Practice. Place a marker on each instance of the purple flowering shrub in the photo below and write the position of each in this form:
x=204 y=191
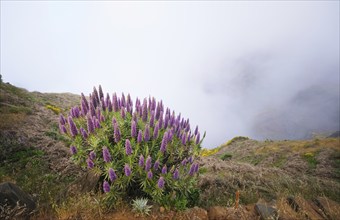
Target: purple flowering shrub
x=139 y=148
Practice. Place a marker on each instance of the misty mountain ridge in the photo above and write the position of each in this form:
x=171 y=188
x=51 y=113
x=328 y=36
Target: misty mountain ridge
x=312 y=111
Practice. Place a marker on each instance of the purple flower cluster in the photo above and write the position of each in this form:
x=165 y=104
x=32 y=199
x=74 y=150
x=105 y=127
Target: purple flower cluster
x=147 y=128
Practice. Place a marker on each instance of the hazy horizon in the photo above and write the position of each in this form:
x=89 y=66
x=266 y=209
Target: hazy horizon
x=257 y=69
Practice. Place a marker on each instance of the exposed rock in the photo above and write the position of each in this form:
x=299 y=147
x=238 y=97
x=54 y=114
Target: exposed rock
x=266 y=212
x=15 y=203
x=217 y=213
x=330 y=208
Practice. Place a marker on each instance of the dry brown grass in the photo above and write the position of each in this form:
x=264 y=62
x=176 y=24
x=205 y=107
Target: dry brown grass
x=10 y=120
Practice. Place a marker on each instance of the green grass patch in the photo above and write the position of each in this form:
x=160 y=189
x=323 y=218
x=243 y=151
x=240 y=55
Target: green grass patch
x=29 y=168
x=203 y=170
x=226 y=156
x=236 y=139
x=280 y=161
x=311 y=159
x=253 y=159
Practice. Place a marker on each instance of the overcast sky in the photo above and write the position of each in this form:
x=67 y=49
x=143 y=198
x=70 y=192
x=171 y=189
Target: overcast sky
x=260 y=69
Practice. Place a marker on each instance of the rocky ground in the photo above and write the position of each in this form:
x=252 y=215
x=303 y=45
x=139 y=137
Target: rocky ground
x=245 y=178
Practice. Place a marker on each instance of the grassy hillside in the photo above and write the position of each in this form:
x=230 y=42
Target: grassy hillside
x=35 y=156
x=272 y=169
x=32 y=153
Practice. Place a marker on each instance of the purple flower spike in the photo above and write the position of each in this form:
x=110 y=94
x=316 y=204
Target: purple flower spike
x=196 y=168
x=97 y=123
x=192 y=169
x=161 y=182
x=152 y=119
x=90 y=126
x=188 y=138
x=62 y=120
x=119 y=104
x=101 y=95
x=145 y=110
x=122 y=113
x=147 y=133
x=84 y=108
x=95 y=97
x=148 y=163
x=164 y=169
x=109 y=104
x=83 y=133
x=128 y=99
x=196 y=130
x=139 y=137
x=92 y=155
x=134 y=117
x=112 y=175
x=184 y=139
x=156 y=165
x=198 y=138
x=73 y=150
x=128 y=149
x=158 y=111
x=114 y=121
x=164 y=142
x=166 y=121
x=127 y=170
x=92 y=109
x=90 y=163
x=106 y=187
x=73 y=127
x=156 y=131
x=176 y=174
x=106 y=155
x=190 y=160
x=116 y=133
x=103 y=103
x=115 y=102
x=83 y=98
x=128 y=108
x=160 y=120
x=150 y=175
x=123 y=102
x=141 y=161
x=133 y=129
x=63 y=129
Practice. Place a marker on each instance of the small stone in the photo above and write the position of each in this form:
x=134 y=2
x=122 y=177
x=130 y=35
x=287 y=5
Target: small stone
x=161 y=209
x=266 y=212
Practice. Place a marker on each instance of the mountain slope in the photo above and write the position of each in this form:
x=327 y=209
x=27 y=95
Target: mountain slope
x=35 y=156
